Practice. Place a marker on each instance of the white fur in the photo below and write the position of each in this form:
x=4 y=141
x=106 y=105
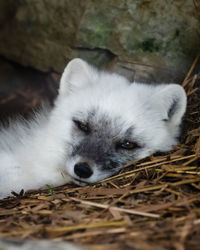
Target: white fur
x=34 y=153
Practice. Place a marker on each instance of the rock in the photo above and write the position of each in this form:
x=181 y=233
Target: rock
x=160 y=38
x=164 y=35
x=23 y=89
x=40 y=34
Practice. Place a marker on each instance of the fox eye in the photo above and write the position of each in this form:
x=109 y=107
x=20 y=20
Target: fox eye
x=128 y=145
x=82 y=126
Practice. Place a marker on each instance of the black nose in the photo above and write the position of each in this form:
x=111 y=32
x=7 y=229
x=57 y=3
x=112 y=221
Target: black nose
x=83 y=170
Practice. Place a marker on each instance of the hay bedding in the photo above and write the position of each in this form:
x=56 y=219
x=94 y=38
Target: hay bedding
x=153 y=204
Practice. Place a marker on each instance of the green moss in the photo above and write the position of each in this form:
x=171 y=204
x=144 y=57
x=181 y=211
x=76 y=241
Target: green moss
x=153 y=45
x=177 y=33
x=96 y=31
x=98 y=36
x=149 y=45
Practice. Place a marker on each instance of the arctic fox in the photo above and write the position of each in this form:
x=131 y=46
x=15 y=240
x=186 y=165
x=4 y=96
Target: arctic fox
x=99 y=122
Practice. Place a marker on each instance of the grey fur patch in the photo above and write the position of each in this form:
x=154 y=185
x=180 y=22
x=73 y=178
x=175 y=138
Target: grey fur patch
x=99 y=146
x=173 y=109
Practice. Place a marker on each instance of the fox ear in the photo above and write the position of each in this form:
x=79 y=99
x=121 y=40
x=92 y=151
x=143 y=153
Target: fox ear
x=171 y=101
x=77 y=74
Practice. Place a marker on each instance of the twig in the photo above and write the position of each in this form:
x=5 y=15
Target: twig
x=129 y=211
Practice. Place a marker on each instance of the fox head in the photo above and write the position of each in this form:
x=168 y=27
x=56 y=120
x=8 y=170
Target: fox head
x=104 y=121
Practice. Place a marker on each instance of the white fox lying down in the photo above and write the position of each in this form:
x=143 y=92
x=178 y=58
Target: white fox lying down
x=100 y=121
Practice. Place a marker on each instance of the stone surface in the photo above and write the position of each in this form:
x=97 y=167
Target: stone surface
x=23 y=89
x=162 y=34
x=40 y=33
x=155 y=37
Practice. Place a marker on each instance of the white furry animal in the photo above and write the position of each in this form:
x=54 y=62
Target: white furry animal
x=99 y=122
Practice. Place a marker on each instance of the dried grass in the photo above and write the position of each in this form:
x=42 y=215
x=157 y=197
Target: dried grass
x=153 y=204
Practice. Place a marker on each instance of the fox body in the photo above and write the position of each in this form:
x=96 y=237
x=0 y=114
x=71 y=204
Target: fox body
x=99 y=122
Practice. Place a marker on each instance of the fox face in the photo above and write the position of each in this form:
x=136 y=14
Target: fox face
x=105 y=121
x=101 y=144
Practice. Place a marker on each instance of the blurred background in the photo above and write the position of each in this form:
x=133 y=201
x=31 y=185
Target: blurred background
x=144 y=40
